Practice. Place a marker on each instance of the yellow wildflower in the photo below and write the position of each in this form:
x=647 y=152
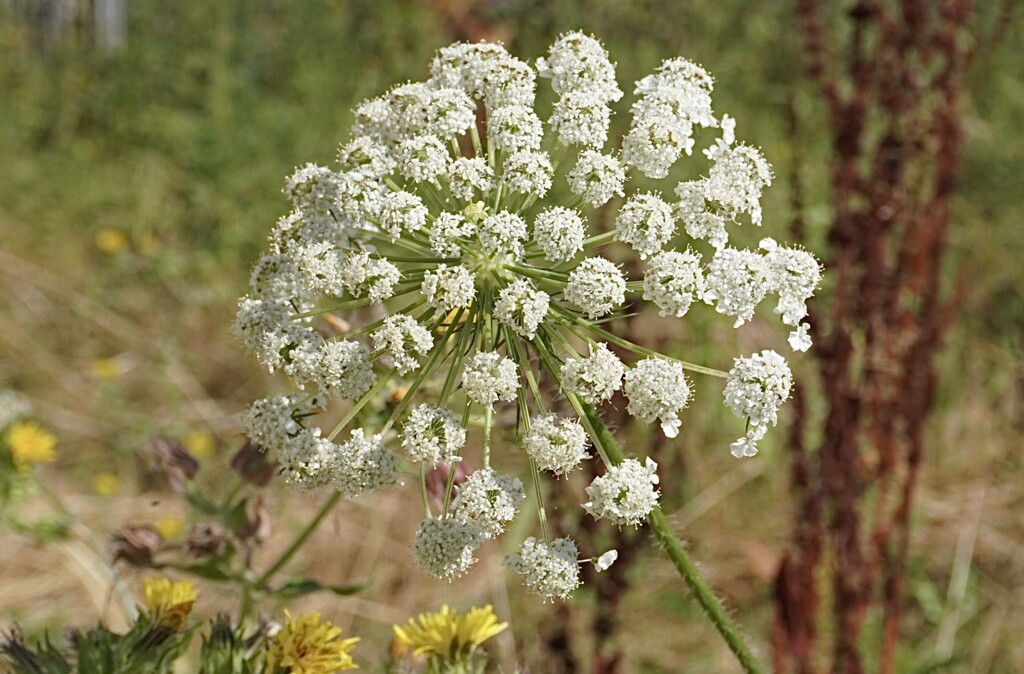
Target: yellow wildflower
x=168 y=604
x=111 y=241
x=448 y=634
x=29 y=444
x=105 y=368
x=200 y=444
x=477 y=626
x=170 y=527
x=105 y=484
x=305 y=646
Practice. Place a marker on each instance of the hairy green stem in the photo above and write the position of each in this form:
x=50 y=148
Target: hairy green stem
x=300 y=539
x=684 y=564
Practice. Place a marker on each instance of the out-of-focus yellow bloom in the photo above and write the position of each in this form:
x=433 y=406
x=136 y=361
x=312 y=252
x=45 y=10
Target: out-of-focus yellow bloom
x=105 y=368
x=105 y=484
x=30 y=443
x=304 y=645
x=170 y=527
x=168 y=604
x=200 y=444
x=448 y=634
x=111 y=241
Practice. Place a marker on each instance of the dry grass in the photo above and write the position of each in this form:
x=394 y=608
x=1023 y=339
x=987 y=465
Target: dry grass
x=180 y=370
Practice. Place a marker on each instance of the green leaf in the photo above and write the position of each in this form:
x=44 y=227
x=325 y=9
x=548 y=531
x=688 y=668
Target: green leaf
x=210 y=570
x=234 y=519
x=199 y=501
x=303 y=586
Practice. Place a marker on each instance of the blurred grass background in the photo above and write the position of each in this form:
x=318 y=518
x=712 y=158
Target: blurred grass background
x=138 y=183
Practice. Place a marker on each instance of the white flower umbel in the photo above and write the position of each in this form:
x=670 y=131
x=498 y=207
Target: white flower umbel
x=403 y=338
x=581 y=118
x=271 y=421
x=625 y=494
x=597 y=178
x=646 y=223
x=469 y=176
x=489 y=500
x=738 y=176
x=527 y=173
x=449 y=288
x=448 y=231
x=344 y=369
x=514 y=128
x=793 y=274
x=444 y=546
x=756 y=388
x=594 y=378
x=363 y=465
x=522 y=307
x=557 y=445
x=657 y=389
x=559 y=232
x=502 y=234
x=737 y=281
x=548 y=569
x=673 y=280
x=402 y=211
x=432 y=434
x=578 y=62
x=373 y=277
x=490 y=377
x=440 y=293
x=596 y=286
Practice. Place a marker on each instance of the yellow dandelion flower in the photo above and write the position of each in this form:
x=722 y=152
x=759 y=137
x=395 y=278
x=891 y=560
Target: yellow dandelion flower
x=477 y=626
x=169 y=604
x=430 y=633
x=30 y=443
x=105 y=484
x=200 y=444
x=170 y=527
x=304 y=645
x=448 y=634
x=111 y=241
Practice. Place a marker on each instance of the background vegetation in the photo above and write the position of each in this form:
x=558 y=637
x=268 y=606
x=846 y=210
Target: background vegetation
x=137 y=185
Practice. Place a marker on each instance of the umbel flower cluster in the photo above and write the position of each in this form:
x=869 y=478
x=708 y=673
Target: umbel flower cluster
x=430 y=280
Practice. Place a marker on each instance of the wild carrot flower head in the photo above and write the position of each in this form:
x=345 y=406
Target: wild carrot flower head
x=453 y=252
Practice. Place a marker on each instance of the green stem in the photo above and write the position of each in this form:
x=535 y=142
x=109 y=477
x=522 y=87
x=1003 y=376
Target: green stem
x=567 y=319
x=684 y=564
x=300 y=539
x=423 y=490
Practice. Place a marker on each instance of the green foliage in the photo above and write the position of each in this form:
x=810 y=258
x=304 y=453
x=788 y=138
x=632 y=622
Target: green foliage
x=147 y=647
